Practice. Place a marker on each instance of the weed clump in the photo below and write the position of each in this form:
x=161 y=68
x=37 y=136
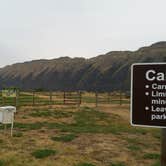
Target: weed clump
x=151 y=156
x=64 y=138
x=84 y=164
x=43 y=153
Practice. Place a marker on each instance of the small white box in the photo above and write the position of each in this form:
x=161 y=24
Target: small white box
x=7 y=115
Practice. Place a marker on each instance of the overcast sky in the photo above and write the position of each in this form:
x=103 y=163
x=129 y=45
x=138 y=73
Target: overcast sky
x=45 y=29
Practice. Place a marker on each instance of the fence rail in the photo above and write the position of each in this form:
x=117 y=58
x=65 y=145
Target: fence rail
x=65 y=98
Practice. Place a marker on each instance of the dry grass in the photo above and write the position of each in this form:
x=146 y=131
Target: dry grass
x=103 y=137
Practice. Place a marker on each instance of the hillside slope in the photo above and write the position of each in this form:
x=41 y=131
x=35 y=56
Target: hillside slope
x=103 y=73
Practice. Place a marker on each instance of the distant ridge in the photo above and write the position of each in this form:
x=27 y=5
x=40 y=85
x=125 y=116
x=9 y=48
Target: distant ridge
x=106 y=72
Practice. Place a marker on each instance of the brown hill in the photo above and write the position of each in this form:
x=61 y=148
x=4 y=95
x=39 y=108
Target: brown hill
x=103 y=73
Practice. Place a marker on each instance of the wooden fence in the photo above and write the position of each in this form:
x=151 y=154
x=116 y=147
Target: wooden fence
x=65 y=98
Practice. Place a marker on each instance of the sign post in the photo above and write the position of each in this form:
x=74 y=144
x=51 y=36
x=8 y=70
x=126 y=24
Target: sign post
x=148 y=98
x=163 y=148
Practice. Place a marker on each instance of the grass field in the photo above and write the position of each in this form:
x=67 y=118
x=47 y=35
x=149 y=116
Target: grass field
x=85 y=136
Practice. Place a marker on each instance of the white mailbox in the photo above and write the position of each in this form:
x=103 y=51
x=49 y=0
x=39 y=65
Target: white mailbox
x=7 y=115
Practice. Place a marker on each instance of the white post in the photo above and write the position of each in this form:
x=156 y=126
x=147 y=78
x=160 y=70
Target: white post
x=12 y=124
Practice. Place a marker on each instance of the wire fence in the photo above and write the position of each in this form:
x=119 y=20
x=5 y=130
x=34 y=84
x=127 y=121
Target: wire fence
x=35 y=98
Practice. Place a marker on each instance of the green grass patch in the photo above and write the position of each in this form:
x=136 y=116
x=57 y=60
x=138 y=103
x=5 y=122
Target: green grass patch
x=134 y=148
x=133 y=144
x=43 y=113
x=43 y=153
x=17 y=134
x=50 y=113
x=86 y=120
x=132 y=140
x=29 y=126
x=2 y=163
x=157 y=163
x=156 y=133
x=142 y=131
x=1 y=141
x=89 y=128
x=86 y=99
x=117 y=164
x=151 y=156
x=84 y=164
x=64 y=138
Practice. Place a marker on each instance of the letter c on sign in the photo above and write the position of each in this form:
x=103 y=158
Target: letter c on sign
x=149 y=75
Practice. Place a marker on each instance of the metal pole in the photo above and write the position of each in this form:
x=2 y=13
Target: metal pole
x=163 y=147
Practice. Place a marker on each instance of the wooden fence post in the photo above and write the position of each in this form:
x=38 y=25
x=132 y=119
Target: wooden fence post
x=50 y=98
x=120 y=98
x=80 y=97
x=109 y=97
x=17 y=98
x=15 y=101
x=64 y=98
x=33 y=97
x=96 y=94
x=3 y=100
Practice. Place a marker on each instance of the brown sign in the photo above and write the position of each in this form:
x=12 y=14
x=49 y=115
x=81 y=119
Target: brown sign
x=148 y=94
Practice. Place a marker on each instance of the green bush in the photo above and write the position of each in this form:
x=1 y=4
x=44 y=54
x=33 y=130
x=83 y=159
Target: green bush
x=151 y=156
x=157 y=163
x=2 y=163
x=64 y=138
x=117 y=164
x=42 y=153
x=134 y=147
x=17 y=134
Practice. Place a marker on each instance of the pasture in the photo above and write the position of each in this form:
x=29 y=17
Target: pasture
x=92 y=132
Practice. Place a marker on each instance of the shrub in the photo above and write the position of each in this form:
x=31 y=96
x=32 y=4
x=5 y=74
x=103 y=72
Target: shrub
x=84 y=164
x=118 y=164
x=151 y=156
x=18 y=134
x=64 y=138
x=42 y=153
